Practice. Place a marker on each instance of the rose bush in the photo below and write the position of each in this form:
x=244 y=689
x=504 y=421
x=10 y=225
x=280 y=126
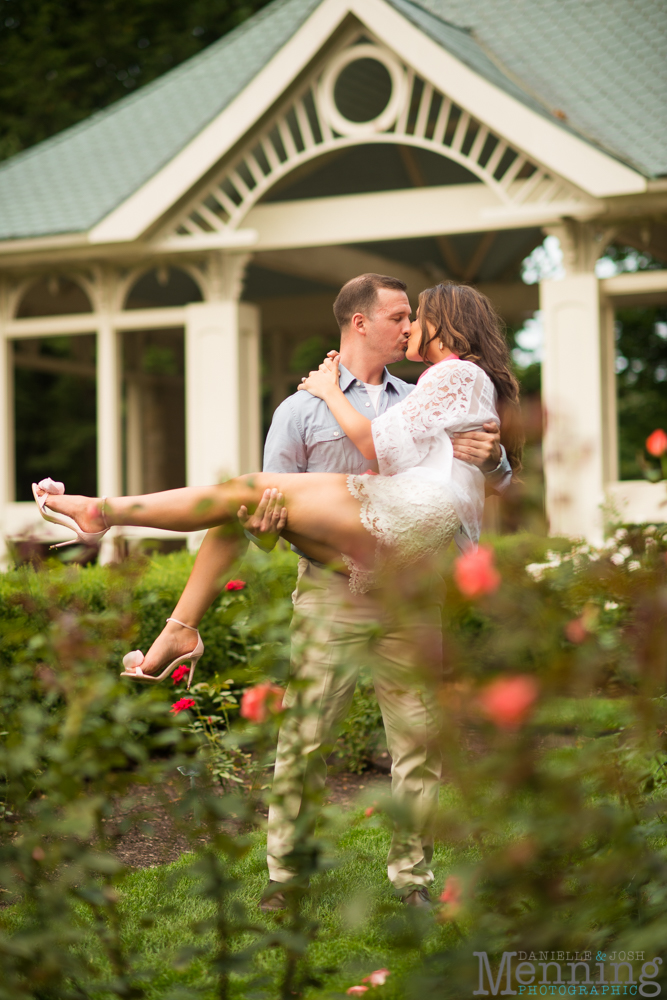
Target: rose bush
x=555 y=760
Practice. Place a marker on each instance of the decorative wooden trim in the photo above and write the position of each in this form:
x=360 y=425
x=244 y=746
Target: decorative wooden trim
x=309 y=125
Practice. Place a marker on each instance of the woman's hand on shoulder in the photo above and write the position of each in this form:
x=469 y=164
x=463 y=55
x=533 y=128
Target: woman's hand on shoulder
x=322 y=382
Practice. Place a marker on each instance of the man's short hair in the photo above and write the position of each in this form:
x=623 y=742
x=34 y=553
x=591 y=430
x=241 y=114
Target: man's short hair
x=360 y=295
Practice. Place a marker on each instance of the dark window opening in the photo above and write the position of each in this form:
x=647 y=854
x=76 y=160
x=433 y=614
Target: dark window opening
x=55 y=411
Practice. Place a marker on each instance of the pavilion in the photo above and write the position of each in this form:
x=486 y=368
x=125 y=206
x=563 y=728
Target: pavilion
x=189 y=239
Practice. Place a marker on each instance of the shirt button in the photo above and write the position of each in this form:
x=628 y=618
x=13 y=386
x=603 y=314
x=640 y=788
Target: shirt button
x=335 y=434
x=368 y=404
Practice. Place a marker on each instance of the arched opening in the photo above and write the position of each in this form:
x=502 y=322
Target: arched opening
x=154 y=409
x=53 y=296
x=369 y=167
x=154 y=385
x=162 y=287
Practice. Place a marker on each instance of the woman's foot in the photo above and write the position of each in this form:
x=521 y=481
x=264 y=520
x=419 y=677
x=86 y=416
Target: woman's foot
x=86 y=511
x=173 y=641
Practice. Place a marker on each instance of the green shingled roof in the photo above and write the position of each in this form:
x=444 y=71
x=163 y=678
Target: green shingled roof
x=601 y=63
x=69 y=182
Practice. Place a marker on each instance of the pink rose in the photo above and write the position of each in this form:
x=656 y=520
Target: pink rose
x=356 y=991
x=180 y=672
x=475 y=574
x=508 y=700
x=576 y=631
x=452 y=897
x=656 y=443
x=377 y=978
x=235 y=585
x=261 y=701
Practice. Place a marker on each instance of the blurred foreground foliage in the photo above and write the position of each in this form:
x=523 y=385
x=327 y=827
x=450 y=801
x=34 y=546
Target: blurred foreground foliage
x=558 y=819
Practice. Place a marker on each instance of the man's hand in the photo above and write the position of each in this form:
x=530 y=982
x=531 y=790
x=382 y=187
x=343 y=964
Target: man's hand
x=268 y=520
x=480 y=448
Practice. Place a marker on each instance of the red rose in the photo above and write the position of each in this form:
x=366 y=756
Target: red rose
x=475 y=574
x=508 y=700
x=180 y=672
x=261 y=701
x=656 y=443
x=182 y=704
x=235 y=585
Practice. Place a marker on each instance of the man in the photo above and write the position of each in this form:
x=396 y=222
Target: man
x=331 y=629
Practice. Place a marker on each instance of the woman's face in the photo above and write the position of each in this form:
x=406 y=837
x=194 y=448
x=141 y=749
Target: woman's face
x=412 y=352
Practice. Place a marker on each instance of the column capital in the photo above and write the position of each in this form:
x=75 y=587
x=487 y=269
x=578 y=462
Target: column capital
x=102 y=287
x=582 y=243
x=225 y=275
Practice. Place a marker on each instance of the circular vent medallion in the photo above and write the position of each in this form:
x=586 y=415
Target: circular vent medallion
x=362 y=90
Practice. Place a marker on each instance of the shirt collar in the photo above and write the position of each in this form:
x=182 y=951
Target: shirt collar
x=347 y=379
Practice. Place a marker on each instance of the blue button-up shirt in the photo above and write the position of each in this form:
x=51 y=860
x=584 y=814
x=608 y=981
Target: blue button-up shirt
x=305 y=436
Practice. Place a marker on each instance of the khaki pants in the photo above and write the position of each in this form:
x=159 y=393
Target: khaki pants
x=334 y=633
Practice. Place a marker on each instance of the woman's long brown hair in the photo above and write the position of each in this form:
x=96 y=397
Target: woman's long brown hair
x=467 y=323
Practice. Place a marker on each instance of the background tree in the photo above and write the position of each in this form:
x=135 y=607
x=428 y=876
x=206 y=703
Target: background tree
x=61 y=60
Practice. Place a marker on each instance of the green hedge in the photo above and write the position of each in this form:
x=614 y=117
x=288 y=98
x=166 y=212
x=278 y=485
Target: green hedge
x=244 y=632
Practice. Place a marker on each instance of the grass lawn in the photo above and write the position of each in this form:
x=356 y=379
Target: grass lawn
x=362 y=926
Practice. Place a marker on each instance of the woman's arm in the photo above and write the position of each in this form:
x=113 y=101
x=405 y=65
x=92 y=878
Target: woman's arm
x=324 y=384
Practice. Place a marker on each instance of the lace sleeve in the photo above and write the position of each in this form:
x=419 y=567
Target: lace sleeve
x=452 y=395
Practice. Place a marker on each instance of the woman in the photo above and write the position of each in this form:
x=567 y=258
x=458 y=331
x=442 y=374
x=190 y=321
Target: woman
x=413 y=508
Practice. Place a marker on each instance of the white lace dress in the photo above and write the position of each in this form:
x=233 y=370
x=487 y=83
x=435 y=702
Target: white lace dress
x=423 y=494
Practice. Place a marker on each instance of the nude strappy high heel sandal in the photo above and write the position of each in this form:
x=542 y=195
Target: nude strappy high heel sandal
x=136 y=658
x=82 y=537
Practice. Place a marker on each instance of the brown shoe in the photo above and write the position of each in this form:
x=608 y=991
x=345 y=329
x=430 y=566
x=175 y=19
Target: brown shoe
x=418 y=896
x=272 y=898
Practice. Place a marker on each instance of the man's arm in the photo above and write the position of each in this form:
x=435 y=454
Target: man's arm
x=483 y=449
x=285 y=448
x=284 y=451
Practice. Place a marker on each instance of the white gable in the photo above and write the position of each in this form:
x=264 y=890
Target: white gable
x=520 y=155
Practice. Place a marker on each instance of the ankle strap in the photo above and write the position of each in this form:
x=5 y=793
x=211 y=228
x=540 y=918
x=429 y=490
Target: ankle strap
x=192 y=629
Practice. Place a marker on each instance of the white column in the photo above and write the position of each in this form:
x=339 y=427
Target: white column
x=578 y=387
x=109 y=480
x=609 y=397
x=222 y=381
x=572 y=398
x=222 y=395
x=6 y=440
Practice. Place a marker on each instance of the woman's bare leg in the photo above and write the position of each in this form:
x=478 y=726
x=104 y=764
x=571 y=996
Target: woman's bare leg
x=319 y=509
x=322 y=515
x=217 y=552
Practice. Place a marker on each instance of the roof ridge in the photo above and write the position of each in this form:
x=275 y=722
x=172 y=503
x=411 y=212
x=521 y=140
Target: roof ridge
x=437 y=17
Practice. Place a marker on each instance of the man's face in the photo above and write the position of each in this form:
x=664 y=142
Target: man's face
x=388 y=328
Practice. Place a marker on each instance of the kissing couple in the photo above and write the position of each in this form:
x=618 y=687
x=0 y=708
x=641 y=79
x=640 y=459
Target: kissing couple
x=436 y=447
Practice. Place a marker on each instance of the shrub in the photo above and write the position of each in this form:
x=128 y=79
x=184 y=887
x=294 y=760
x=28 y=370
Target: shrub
x=555 y=717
